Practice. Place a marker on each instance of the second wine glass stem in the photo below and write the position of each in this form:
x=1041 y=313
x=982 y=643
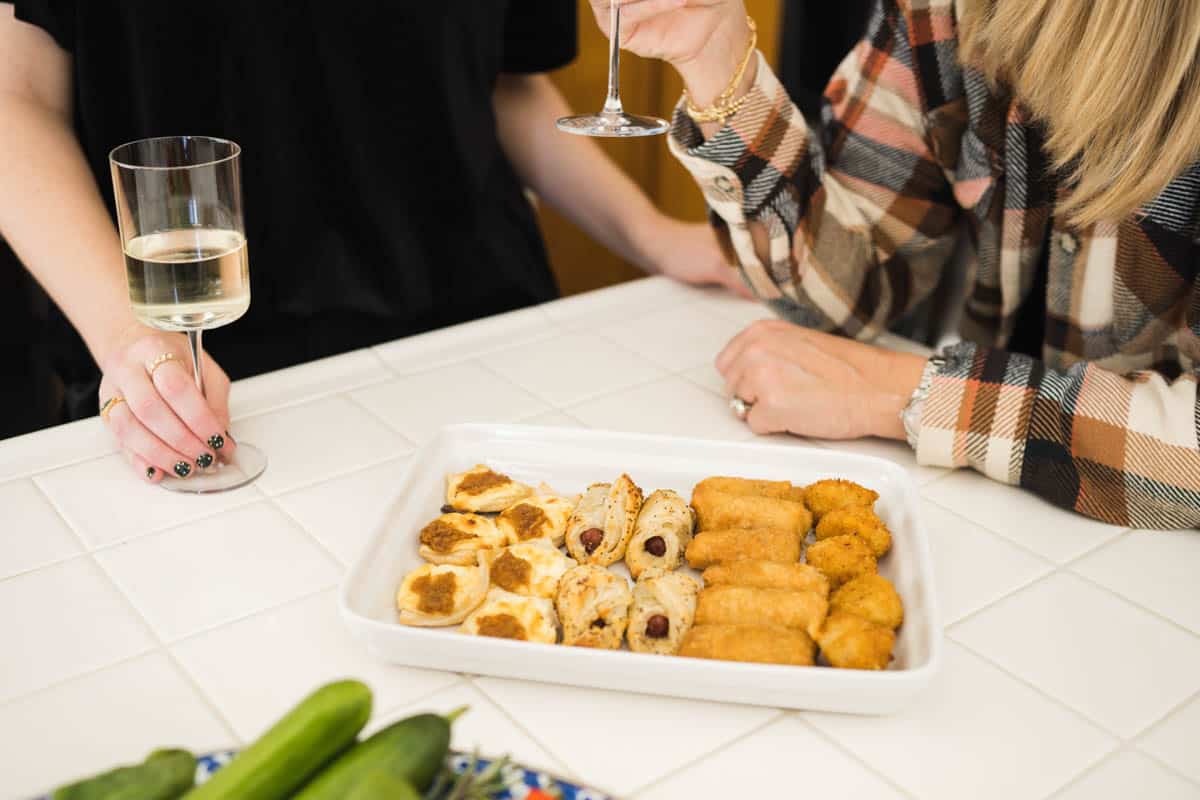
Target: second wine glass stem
x=193 y=337
x=612 y=104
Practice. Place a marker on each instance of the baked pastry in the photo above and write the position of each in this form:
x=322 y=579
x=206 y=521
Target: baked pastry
x=661 y=533
x=834 y=493
x=593 y=607
x=718 y=510
x=538 y=517
x=859 y=521
x=664 y=607
x=765 y=544
x=852 y=642
x=755 y=643
x=457 y=538
x=871 y=597
x=481 y=489
x=599 y=529
x=505 y=615
x=530 y=568
x=442 y=594
x=768 y=575
x=746 y=486
x=746 y=605
x=841 y=558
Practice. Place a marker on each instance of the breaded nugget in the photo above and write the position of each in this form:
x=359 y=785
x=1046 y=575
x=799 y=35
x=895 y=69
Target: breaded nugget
x=780 y=489
x=871 y=597
x=764 y=544
x=716 y=510
x=859 y=521
x=833 y=493
x=768 y=575
x=851 y=642
x=754 y=643
x=745 y=605
x=841 y=558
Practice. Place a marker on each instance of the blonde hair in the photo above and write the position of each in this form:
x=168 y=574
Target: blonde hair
x=1117 y=83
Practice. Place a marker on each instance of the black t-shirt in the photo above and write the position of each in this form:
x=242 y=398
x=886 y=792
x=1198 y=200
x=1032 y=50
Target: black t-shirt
x=378 y=201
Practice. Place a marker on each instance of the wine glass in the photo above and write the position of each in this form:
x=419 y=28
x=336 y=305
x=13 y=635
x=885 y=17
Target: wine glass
x=613 y=121
x=179 y=211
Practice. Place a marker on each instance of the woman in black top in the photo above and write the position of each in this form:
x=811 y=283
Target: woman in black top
x=385 y=151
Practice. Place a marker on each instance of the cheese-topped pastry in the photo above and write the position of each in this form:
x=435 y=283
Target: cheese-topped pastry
x=457 y=538
x=661 y=534
x=442 y=594
x=481 y=489
x=664 y=607
x=530 y=568
x=540 y=517
x=512 y=616
x=599 y=529
x=593 y=607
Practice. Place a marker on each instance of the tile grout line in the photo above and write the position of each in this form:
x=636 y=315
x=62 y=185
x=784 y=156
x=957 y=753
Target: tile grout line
x=1136 y=604
x=285 y=405
x=1125 y=747
x=338 y=475
x=337 y=562
x=1087 y=770
x=836 y=744
x=1169 y=768
x=562 y=766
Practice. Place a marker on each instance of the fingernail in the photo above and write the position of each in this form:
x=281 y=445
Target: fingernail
x=149 y=473
x=204 y=461
x=216 y=441
x=229 y=436
x=183 y=469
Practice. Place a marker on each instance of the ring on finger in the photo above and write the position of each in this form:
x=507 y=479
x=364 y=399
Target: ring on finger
x=740 y=407
x=158 y=361
x=108 y=405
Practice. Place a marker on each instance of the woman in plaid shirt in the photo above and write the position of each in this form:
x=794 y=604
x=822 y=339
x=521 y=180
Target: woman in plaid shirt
x=1028 y=170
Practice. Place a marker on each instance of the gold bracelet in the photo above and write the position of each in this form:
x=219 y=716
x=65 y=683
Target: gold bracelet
x=725 y=106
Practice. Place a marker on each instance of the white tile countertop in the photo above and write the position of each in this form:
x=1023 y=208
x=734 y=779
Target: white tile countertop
x=131 y=618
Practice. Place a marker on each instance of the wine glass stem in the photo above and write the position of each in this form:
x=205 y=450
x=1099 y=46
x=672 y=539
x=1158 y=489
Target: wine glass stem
x=612 y=104
x=194 y=345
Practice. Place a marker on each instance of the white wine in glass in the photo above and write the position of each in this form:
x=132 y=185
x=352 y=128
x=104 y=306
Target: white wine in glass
x=188 y=278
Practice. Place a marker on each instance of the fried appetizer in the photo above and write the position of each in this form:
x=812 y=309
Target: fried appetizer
x=661 y=534
x=505 y=615
x=457 y=538
x=871 y=597
x=746 y=605
x=764 y=544
x=834 y=493
x=664 y=607
x=755 y=643
x=782 y=490
x=481 y=489
x=530 y=568
x=859 y=521
x=540 y=517
x=601 y=525
x=593 y=607
x=841 y=558
x=719 y=510
x=851 y=642
x=768 y=575
x=442 y=594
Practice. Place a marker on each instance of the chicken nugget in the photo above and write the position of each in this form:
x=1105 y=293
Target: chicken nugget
x=841 y=558
x=851 y=642
x=859 y=521
x=833 y=493
x=871 y=597
x=715 y=510
x=716 y=547
x=768 y=575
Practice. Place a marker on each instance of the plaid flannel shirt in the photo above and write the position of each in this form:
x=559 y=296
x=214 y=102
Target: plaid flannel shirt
x=916 y=155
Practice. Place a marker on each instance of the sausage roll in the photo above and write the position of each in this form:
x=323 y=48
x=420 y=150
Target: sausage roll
x=859 y=521
x=481 y=489
x=664 y=606
x=716 y=510
x=593 y=607
x=442 y=594
x=834 y=493
x=851 y=642
x=457 y=538
x=764 y=544
x=661 y=534
x=512 y=616
x=841 y=558
x=540 y=517
x=745 y=605
x=768 y=575
x=871 y=597
x=599 y=530
x=530 y=568
x=756 y=643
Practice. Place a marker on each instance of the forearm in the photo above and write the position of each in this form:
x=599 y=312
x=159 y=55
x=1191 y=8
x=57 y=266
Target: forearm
x=572 y=173
x=52 y=215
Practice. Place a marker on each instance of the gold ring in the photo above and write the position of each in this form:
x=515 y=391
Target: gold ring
x=109 y=404
x=158 y=361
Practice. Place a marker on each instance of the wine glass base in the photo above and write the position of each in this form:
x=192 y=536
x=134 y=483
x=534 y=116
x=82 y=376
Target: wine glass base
x=617 y=125
x=248 y=463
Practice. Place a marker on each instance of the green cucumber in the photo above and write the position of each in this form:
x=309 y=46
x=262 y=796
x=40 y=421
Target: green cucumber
x=164 y=775
x=412 y=749
x=379 y=784
x=323 y=725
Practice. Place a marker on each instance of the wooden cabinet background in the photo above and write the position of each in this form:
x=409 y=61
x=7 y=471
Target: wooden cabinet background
x=648 y=87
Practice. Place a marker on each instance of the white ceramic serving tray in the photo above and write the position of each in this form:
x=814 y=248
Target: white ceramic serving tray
x=570 y=459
